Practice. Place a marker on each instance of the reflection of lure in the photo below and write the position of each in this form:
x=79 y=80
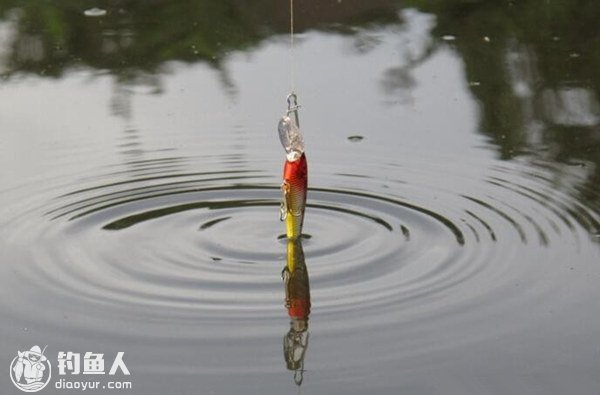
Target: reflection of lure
x=297 y=302
x=297 y=296
x=295 y=171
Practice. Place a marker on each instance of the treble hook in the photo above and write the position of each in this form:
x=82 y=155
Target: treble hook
x=293 y=107
x=283 y=209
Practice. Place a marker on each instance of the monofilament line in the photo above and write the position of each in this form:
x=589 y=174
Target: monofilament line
x=292 y=69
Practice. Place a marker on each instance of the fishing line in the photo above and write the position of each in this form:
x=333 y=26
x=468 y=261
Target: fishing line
x=292 y=60
x=295 y=170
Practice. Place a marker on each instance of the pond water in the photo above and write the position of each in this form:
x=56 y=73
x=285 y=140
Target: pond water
x=452 y=232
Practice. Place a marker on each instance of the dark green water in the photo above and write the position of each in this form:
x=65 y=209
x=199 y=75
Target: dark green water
x=453 y=221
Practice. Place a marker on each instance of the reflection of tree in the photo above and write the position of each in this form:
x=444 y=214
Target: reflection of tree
x=133 y=36
x=136 y=37
x=580 y=147
x=418 y=47
x=559 y=40
x=533 y=66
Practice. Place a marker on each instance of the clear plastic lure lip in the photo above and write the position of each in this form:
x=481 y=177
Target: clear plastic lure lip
x=291 y=138
x=289 y=131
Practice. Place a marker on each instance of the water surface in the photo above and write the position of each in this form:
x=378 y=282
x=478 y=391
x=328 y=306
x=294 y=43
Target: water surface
x=453 y=219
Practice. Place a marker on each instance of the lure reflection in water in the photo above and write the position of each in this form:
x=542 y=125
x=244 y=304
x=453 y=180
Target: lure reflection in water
x=295 y=171
x=297 y=302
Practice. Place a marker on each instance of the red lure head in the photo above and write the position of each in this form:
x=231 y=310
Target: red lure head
x=297 y=171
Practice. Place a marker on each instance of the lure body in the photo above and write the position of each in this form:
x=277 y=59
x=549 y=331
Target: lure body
x=294 y=186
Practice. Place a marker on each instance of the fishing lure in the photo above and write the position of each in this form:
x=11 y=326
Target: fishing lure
x=297 y=302
x=295 y=170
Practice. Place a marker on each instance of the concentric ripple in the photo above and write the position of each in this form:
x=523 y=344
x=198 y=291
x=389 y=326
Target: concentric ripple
x=219 y=238
x=200 y=226
x=204 y=250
